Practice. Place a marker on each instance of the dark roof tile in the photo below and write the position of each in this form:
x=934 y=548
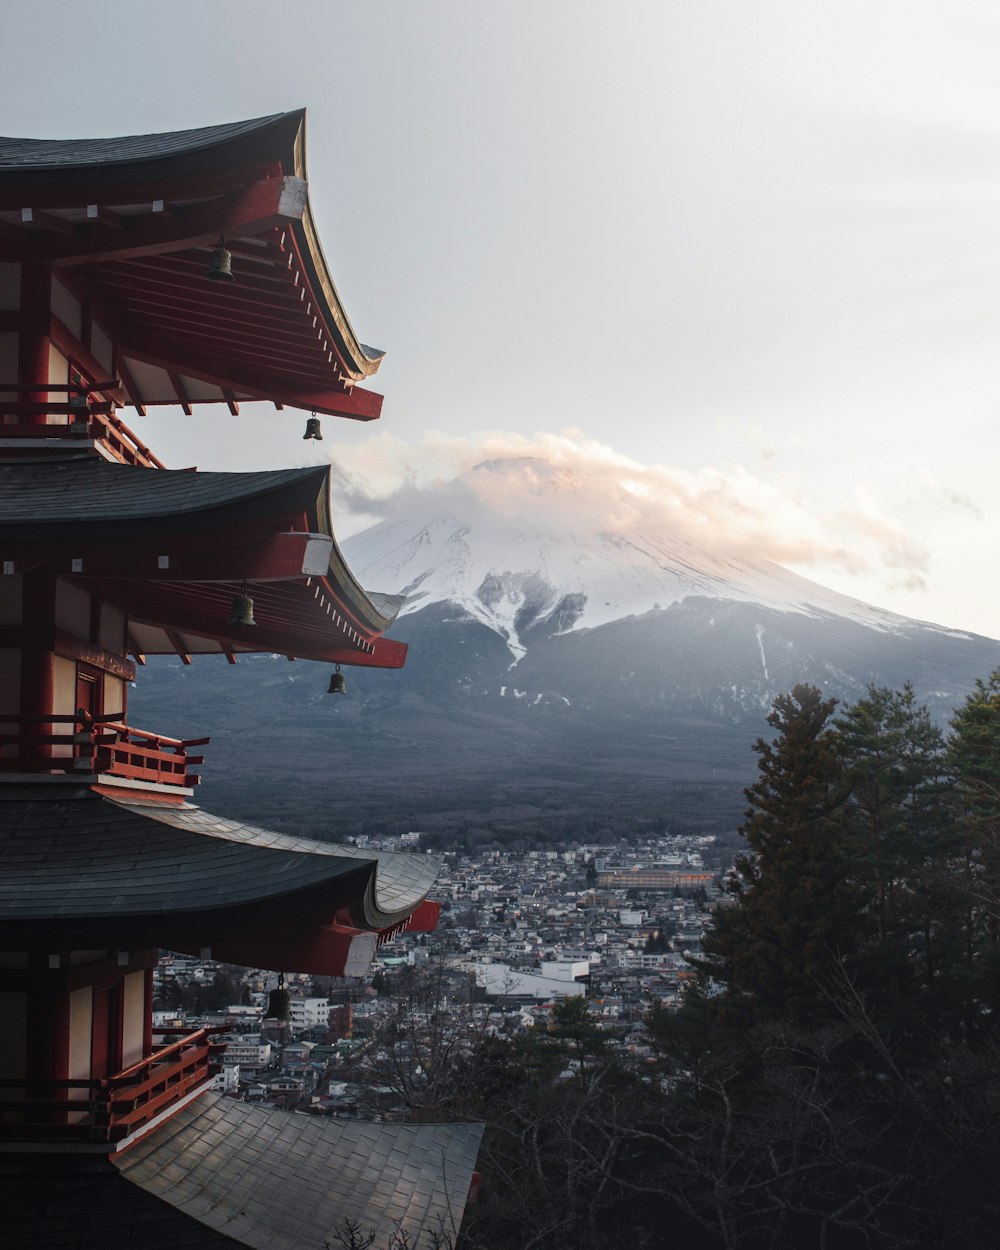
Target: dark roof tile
x=59 y=154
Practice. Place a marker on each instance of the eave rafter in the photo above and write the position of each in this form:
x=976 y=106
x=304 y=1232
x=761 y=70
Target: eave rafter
x=61 y=242
x=129 y=229
x=187 y=594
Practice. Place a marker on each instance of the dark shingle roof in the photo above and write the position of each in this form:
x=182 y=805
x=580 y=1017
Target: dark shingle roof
x=400 y=882
x=60 y=154
x=92 y=491
x=90 y=856
x=279 y=1181
x=82 y=1202
x=87 y=856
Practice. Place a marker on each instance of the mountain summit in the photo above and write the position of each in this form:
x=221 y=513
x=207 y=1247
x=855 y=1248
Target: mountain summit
x=578 y=659
x=531 y=549
x=536 y=552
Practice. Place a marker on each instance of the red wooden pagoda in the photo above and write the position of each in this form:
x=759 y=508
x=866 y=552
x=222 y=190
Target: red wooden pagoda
x=180 y=269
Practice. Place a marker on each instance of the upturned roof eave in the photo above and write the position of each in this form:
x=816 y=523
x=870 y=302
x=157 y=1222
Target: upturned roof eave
x=44 y=173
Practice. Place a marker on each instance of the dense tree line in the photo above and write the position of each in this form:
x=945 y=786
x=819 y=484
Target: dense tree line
x=832 y=1080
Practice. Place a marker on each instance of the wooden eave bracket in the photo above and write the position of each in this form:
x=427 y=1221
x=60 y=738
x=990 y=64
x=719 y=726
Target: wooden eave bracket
x=258 y=208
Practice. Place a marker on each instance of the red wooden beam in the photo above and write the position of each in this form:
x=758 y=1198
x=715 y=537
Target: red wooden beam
x=187 y=272
x=191 y=302
x=256 y=209
x=134 y=394
x=107 y=216
x=81 y=356
x=174 y=639
x=208 y=620
x=326 y=950
x=39 y=219
x=357 y=404
x=180 y=392
x=281 y=558
x=295 y=343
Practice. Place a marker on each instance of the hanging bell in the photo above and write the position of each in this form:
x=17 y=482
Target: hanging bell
x=279 y=1002
x=242 y=610
x=220 y=265
x=313 y=429
x=337 y=683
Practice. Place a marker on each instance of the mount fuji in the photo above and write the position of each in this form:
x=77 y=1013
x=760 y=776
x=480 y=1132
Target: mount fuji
x=575 y=661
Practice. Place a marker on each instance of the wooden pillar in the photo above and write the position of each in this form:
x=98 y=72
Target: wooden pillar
x=47 y=1051
x=37 y=664
x=33 y=331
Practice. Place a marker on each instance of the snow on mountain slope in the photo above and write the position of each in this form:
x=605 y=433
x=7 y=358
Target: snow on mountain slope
x=563 y=559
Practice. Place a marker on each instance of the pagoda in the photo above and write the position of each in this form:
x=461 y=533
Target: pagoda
x=183 y=270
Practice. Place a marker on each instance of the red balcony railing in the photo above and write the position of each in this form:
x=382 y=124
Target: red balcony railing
x=108 y=1109
x=79 y=414
x=98 y=746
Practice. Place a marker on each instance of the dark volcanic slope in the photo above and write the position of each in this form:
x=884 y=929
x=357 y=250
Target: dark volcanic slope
x=646 y=717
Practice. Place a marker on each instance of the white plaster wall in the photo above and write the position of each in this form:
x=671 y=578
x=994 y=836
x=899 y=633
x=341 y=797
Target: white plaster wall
x=81 y=1026
x=66 y=308
x=114 y=696
x=73 y=609
x=133 y=1017
x=100 y=346
x=112 y=632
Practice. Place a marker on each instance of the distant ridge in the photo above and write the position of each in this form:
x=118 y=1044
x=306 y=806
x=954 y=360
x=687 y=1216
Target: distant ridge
x=561 y=670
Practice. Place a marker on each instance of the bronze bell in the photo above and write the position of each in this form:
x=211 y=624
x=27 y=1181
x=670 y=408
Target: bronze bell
x=337 y=683
x=313 y=429
x=279 y=1002
x=242 y=610
x=220 y=265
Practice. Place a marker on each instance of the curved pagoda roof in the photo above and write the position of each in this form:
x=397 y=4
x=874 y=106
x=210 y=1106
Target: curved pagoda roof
x=221 y=1174
x=173 y=548
x=128 y=226
x=111 y=873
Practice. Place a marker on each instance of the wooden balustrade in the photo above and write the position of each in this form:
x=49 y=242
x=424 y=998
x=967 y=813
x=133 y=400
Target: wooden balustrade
x=76 y=414
x=108 y=1109
x=99 y=746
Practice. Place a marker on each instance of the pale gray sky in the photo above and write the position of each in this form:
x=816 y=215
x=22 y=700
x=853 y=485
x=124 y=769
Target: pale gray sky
x=753 y=244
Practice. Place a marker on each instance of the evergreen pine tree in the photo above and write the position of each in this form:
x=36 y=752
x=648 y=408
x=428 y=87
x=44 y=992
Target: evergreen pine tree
x=897 y=837
x=974 y=754
x=793 y=921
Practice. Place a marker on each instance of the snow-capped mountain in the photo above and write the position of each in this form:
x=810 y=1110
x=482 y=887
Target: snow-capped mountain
x=573 y=663
x=569 y=562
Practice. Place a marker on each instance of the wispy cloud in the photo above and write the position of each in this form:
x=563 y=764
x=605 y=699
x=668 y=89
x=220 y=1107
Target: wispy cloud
x=569 y=479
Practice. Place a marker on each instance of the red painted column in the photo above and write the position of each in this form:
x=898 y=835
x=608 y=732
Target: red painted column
x=34 y=327
x=37 y=664
x=48 y=1028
